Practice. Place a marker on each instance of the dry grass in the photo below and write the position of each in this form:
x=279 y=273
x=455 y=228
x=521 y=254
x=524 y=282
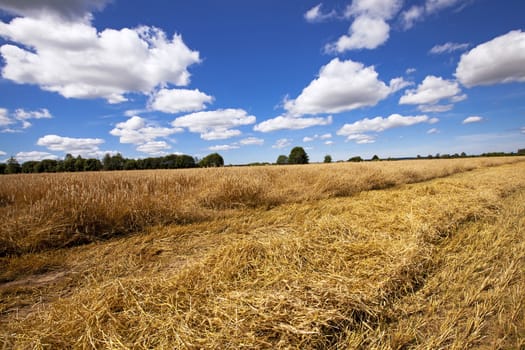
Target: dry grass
x=437 y=264
x=46 y=211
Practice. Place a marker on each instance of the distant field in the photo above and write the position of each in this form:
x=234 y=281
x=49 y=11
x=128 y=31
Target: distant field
x=386 y=255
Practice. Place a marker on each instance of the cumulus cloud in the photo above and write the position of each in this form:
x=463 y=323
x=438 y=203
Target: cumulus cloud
x=341 y=86
x=4 y=117
x=369 y=28
x=435 y=108
x=472 y=119
x=317 y=137
x=215 y=125
x=34 y=155
x=179 y=100
x=315 y=14
x=282 y=143
x=291 y=123
x=2 y=153
x=86 y=147
x=500 y=60
x=139 y=131
x=448 y=47
x=20 y=119
x=358 y=130
x=75 y=60
x=431 y=91
x=155 y=148
x=251 y=141
x=64 y=8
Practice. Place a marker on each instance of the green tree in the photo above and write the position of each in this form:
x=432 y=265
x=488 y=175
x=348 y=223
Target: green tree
x=212 y=160
x=92 y=164
x=12 y=166
x=282 y=159
x=3 y=166
x=375 y=158
x=30 y=166
x=69 y=162
x=80 y=163
x=298 y=156
x=130 y=164
x=328 y=158
x=355 y=159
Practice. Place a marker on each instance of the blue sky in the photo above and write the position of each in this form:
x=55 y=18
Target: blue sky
x=252 y=79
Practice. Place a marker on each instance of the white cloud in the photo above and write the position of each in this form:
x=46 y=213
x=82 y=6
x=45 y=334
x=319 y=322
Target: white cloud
x=410 y=70
x=65 y=8
x=2 y=153
x=223 y=147
x=357 y=130
x=86 y=147
x=431 y=91
x=433 y=6
x=435 y=108
x=364 y=33
x=523 y=130
x=4 y=117
x=75 y=60
x=472 y=119
x=316 y=137
x=292 y=123
x=500 y=60
x=215 y=125
x=179 y=100
x=34 y=155
x=418 y=13
x=433 y=131
x=329 y=142
x=251 y=141
x=411 y=16
x=369 y=29
x=139 y=131
x=282 y=143
x=21 y=118
x=155 y=148
x=340 y=86
x=361 y=139
x=315 y=14
x=448 y=47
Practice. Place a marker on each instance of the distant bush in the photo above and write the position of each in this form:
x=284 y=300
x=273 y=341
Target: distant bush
x=355 y=159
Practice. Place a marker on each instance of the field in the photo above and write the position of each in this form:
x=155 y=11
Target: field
x=426 y=254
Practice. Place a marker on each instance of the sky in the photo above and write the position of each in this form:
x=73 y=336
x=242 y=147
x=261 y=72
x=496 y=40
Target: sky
x=253 y=79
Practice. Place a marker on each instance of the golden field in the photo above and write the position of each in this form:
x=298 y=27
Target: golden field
x=423 y=254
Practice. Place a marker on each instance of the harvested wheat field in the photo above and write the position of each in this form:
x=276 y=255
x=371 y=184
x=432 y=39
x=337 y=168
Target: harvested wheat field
x=384 y=255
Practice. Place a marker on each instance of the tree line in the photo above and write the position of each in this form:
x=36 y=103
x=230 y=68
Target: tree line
x=180 y=161
x=109 y=163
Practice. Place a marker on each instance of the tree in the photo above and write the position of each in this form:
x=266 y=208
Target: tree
x=355 y=159
x=328 y=158
x=375 y=157
x=92 y=164
x=80 y=163
x=69 y=162
x=2 y=168
x=212 y=160
x=282 y=159
x=12 y=167
x=298 y=156
x=30 y=166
